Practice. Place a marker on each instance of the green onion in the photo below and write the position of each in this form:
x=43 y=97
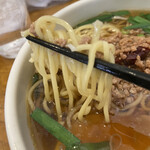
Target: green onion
x=147 y=30
x=139 y=19
x=131 y=20
x=139 y=22
x=105 y=17
x=121 y=13
x=35 y=78
x=92 y=146
x=136 y=26
x=53 y=127
x=63 y=135
x=146 y=16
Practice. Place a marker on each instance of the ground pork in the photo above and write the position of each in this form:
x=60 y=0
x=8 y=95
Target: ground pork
x=85 y=40
x=32 y=29
x=124 y=92
x=132 y=51
x=61 y=42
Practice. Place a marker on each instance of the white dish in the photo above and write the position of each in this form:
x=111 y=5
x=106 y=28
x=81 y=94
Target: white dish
x=15 y=109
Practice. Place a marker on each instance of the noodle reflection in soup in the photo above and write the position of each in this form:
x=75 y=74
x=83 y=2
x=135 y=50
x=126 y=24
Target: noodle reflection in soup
x=94 y=105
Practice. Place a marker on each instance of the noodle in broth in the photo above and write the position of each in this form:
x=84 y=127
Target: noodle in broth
x=92 y=104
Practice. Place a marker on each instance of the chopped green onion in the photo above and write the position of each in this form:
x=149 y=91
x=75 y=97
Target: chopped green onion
x=136 y=26
x=105 y=17
x=131 y=20
x=139 y=19
x=121 y=13
x=63 y=135
x=147 y=30
x=92 y=146
x=35 y=78
x=96 y=146
x=139 y=22
x=146 y=16
x=56 y=129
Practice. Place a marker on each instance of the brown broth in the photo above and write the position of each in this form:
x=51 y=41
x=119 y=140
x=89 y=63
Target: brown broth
x=41 y=138
x=94 y=129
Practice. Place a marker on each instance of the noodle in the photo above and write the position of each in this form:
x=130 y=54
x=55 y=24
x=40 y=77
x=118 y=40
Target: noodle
x=143 y=104
x=30 y=94
x=71 y=113
x=46 y=108
x=126 y=113
x=136 y=102
x=80 y=83
x=130 y=108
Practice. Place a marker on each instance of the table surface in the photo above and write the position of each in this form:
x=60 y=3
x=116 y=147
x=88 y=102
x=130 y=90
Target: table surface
x=6 y=64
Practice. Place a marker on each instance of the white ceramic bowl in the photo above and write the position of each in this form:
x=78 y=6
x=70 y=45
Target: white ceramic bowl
x=21 y=72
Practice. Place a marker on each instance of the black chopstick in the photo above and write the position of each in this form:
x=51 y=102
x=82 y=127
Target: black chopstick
x=130 y=75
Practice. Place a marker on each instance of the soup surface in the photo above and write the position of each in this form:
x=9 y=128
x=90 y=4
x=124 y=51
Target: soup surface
x=125 y=133
x=129 y=126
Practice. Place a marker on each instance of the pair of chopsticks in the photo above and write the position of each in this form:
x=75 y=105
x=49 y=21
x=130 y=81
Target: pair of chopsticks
x=130 y=75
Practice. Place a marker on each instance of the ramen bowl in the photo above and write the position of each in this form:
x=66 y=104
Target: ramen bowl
x=18 y=132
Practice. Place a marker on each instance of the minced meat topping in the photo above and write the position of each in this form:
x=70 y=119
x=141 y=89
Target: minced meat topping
x=131 y=51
